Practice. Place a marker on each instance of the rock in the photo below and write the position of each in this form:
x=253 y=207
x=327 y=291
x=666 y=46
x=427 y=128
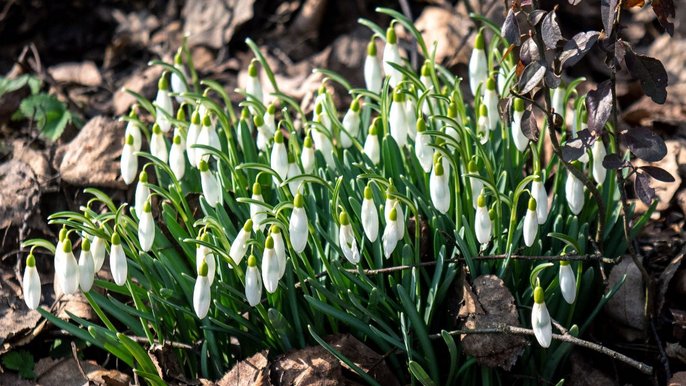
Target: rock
x=583 y=373
x=450 y=30
x=626 y=307
x=309 y=366
x=678 y=379
x=84 y=73
x=143 y=82
x=253 y=371
x=19 y=192
x=92 y=158
x=347 y=55
x=36 y=159
x=212 y=23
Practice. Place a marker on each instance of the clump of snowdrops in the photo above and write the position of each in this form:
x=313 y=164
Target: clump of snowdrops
x=266 y=227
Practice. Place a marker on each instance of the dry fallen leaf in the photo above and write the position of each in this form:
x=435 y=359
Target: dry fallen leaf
x=309 y=366
x=19 y=191
x=253 y=371
x=363 y=357
x=84 y=73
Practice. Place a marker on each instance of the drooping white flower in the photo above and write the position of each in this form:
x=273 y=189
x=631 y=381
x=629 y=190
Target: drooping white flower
x=558 y=101
x=279 y=157
x=450 y=128
x=86 y=266
x=254 y=87
x=540 y=319
x=59 y=259
x=270 y=266
x=142 y=192
x=476 y=184
x=438 y=187
x=240 y=244
x=263 y=133
x=133 y=129
x=293 y=171
x=177 y=162
x=574 y=192
x=178 y=83
x=118 y=263
x=297 y=227
x=158 y=145
x=204 y=253
x=269 y=118
x=351 y=124
x=279 y=248
x=390 y=204
x=211 y=189
x=307 y=155
x=530 y=229
x=207 y=137
x=369 y=215
x=31 y=283
x=567 y=281
x=478 y=63
x=257 y=212
x=391 y=54
x=253 y=282
x=491 y=101
x=410 y=110
x=518 y=137
x=373 y=79
x=541 y=196
x=163 y=104
x=98 y=251
x=598 y=151
x=68 y=271
x=192 y=138
x=146 y=227
x=582 y=125
x=429 y=106
x=202 y=294
x=322 y=141
x=482 y=221
x=397 y=119
x=422 y=150
x=372 y=148
x=390 y=234
x=346 y=239
x=129 y=161
x=482 y=124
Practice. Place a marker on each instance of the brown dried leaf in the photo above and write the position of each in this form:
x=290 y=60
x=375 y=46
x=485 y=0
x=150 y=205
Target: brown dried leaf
x=213 y=22
x=253 y=371
x=143 y=82
x=19 y=191
x=450 y=30
x=363 y=357
x=309 y=366
x=84 y=73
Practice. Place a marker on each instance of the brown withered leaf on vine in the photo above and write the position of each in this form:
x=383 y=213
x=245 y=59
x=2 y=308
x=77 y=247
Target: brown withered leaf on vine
x=550 y=30
x=574 y=2
x=510 y=28
x=645 y=144
x=643 y=189
x=576 y=48
x=599 y=106
x=608 y=12
x=536 y=16
x=528 y=53
x=657 y=173
x=529 y=125
x=576 y=147
x=633 y=3
x=650 y=72
x=551 y=79
x=531 y=77
x=613 y=161
x=664 y=9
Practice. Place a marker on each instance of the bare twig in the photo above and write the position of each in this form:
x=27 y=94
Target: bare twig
x=75 y=354
x=512 y=330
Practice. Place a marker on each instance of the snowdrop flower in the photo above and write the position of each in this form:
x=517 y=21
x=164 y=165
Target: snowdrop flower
x=372 y=148
x=134 y=130
x=86 y=266
x=178 y=83
x=208 y=137
x=397 y=119
x=163 y=104
x=142 y=192
x=279 y=248
x=370 y=217
x=129 y=161
x=202 y=293
x=177 y=162
x=31 y=283
x=583 y=125
x=438 y=187
x=476 y=184
x=392 y=203
x=68 y=271
x=257 y=212
x=192 y=138
x=574 y=192
x=297 y=227
x=263 y=134
x=240 y=244
x=391 y=54
x=491 y=101
x=540 y=319
x=146 y=228
x=541 y=196
x=410 y=109
x=422 y=150
x=429 y=105
x=530 y=223
x=390 y=234
x=253 y=282
x=567 y=281
x=518 y=137
x=254 y=87
x=558 y=101
x=158 y=145
x=118 y=263
x=346 y=238
x=482 y=124
x=478 y=63
x=351 y=124
x=450 y=129
x=598 y=151
x=482 y=221
x=293 y=171
x=323 y=143
x=269 y=119
x=203 y=253
x=59 y=257
x=279 y=157
x=373 y=78
x=210 y=185
x=98 y=251
x=307 y=155
x=270 y=266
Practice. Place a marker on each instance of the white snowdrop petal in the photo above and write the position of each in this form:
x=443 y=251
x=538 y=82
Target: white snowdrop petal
x=69 y=274
x=210 y=188
x=118 y=264
x=239 y=246
x=270 y=270
x=98 y=253
x=253 y=286
x=478 y=69
x=483 y=225
x=177 y=162
x=439 y=192
x=370 y=219
x=372 y=149
x=389 y=238
x=129 y=164
x=86 y=271
x=567 y=281
x=31 y=287
x=574 y=192
x=541 y=324
x=541 y=197
x=599 y=152
x=201 y=296
x=141 y=195
x=146 y=231
x=297 y=229
x=373 y=78
x=530 y=227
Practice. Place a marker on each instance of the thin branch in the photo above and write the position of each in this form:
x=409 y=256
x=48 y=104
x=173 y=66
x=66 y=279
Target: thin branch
x=512 y=330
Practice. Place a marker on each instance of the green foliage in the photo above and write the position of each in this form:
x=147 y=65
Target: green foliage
x=50 y=115
x=20 y=361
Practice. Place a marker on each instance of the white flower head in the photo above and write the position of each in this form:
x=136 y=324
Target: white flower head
x=178 y=82
x=254 y=87
x=351 y=124
x=207 y=137
x=279 y=248
x=322 y=142
x=482 y=221
x=202 y=294
x=271 y=268
x=158 y=145
x=279 y=157
x=540 y=319
x=373 y=78
x=203 y=253
x=269 y=119
x=146 y=227
x=422 y=150
x=98 y=251
x=476 y=184
x=240 y=243
x=192 y=138
x=397 y=119
x=372 y=148
x=439 y=188
x=211 y=189
x=307 y=156
x=118 y=264
x=346 y=238
x=390 y=234
x=391 y=54
x=478 y=63
x=253 y=282
x=142 y=192
x=482 y=124
x=86 y=266
x=129 y=161
x=31 y=285
x=68 y=270
x=530 y=229
x=163 y=103
x=298 y=225
x=263 y=133
x=598 y=151
x=491 y=101
x=567 y=281
x=369 y=215
x=390 y=204
x=177 y=162
x=574 y=192
x=133 y=129
x=541 y=196
x=257 y=212
x=518 y=137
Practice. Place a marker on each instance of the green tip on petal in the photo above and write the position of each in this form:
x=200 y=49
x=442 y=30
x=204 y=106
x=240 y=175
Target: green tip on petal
x=66 y=245
x=481 y=201
x=203 y=166
x=479 y=41
x=318 y=109
x=421 y=125
x=156 y=129
x=371 y=48
x=393 y=215
x=532 y=204
x=205 y=237
x=291 y=158
x=31 y=260
x=322 y=88
x=564 y=262
x=177 y=139
x=299 y=201
x=245 y=114
x=252 y=261
x=274 y=229
x=116 y=239
x=195 y=118
x=269 y=243
x=206 y=121
x=202 y=271
x=278 y=136
x=252 y=68
x=391 y=38
x=257 y=189
x=308 y=142
x=355 y=105
x=426 y=69
x=258 y=121
x=438 y=167
x=490 y=84
x=473 y=167
x=85 y=245
x=452 y=109
x=147 y=207
x=519 y=105
x=180 y=114
x=63 y=233
x=248 y=226
x=178 y=59
x=483 y=110
x=492 y=214
x=398 y=96
x=368 y=194
x=163 y=83
x=343 y=218
x=271 y=110
x=538 y=178
x=539 y=295
x=373 y=129
x=129 y=140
